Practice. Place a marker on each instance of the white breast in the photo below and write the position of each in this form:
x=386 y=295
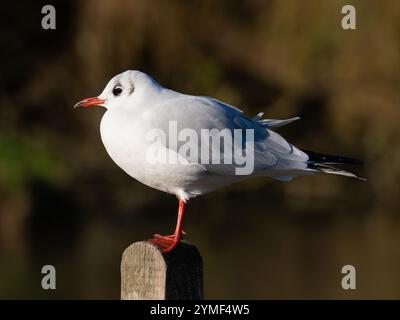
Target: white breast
x=125 y=141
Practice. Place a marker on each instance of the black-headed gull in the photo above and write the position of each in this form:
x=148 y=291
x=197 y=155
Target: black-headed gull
x=190 y=145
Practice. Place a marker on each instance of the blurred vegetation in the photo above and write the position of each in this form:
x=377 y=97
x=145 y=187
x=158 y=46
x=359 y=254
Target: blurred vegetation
x=64 y=202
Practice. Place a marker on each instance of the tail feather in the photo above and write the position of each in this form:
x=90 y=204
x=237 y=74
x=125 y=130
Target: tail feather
x=319 y=167
x=328 y=158
x=319 y=162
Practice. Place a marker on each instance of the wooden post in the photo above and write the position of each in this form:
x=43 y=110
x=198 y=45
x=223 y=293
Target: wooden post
x=147 y=274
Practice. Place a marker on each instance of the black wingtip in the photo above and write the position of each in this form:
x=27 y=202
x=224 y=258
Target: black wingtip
x=328 y=158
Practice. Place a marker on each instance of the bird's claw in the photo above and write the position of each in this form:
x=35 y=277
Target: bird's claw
x=165 y=243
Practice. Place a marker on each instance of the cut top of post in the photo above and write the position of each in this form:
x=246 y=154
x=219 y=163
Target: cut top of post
x=147 y=274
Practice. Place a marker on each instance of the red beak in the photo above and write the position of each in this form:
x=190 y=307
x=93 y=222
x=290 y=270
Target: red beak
x=90 y=102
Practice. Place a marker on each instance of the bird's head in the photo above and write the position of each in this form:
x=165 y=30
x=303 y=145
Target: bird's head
x=125 y=89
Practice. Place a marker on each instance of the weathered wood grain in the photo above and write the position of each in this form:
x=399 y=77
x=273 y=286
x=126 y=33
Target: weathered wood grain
x=147 y=274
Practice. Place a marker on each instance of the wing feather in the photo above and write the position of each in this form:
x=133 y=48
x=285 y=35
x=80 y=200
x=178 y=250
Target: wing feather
x=271 y=151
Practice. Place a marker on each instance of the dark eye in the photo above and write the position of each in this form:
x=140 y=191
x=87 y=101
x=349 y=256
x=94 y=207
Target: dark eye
x=117 y=91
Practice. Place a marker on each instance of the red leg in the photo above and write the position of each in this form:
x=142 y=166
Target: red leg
x=168 y=243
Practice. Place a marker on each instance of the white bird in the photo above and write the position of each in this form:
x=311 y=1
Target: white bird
x=136 y=104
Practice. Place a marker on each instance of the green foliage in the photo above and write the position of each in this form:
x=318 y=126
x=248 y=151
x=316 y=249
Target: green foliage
x=23 y=159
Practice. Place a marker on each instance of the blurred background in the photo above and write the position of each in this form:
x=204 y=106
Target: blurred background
x=64 y=202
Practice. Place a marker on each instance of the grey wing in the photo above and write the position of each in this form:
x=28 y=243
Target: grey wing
x=268 y=150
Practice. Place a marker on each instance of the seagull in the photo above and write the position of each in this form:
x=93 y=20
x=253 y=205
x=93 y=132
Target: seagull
x=137 y=107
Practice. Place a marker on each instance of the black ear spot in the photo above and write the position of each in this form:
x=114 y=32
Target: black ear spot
x=131 y=87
